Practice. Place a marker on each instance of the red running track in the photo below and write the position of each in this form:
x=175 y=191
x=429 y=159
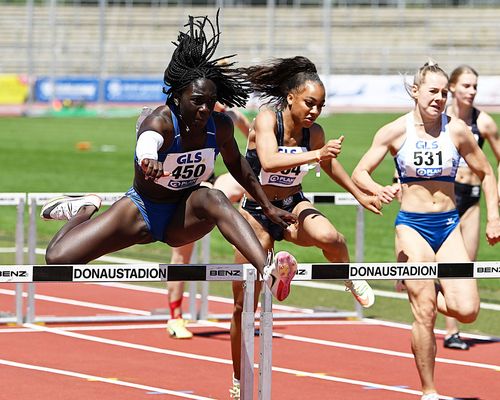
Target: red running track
x=358 y=360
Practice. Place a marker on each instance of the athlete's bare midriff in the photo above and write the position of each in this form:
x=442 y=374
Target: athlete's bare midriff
x=428 y=197
x=466 y=176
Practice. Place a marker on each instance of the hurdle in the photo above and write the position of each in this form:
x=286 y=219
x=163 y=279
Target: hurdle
x=245 y=272
x=18 y=200
x=202 y=313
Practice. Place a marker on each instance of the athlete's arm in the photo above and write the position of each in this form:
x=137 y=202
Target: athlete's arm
x=240 y=169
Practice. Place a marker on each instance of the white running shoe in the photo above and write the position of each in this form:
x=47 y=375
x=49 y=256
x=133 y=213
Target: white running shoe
x=430 y=396
x=283 y=269
x=176 y=327
x=66 y=207
x=362 y=292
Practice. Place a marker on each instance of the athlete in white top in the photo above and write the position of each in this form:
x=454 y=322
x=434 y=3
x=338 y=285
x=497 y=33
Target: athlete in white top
x=427 y=227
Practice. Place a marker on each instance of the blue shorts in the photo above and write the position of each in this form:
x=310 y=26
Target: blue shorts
x=433 y=227
x=156 y=215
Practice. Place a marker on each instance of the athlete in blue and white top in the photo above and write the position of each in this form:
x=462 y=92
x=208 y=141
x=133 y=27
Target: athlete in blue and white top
x=426 y=145
x=175 y=152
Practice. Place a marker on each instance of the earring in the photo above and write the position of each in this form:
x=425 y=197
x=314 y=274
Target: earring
x=176 y=102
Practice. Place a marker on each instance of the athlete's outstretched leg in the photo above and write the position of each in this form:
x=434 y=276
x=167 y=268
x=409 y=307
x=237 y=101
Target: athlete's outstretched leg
x=84 y=239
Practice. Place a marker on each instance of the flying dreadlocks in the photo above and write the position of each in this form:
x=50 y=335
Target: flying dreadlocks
x=192 y=60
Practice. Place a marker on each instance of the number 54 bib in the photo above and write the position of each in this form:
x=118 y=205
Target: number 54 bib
x=187 y=169
x=289 y=177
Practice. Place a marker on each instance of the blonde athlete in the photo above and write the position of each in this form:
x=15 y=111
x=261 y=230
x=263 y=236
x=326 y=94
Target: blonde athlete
x=427 y=145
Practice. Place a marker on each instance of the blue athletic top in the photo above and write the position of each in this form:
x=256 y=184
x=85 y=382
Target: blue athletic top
x=176 y=146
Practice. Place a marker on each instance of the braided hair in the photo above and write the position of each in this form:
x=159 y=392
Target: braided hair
x=280 y=76
x=192 y=59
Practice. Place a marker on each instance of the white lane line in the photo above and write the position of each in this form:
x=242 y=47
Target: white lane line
x=101 y=379
x=367 y=348
x=79 y=303
x=221 y=360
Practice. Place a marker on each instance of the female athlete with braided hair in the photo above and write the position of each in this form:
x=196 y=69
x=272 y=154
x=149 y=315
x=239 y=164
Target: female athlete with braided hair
x=176 y=148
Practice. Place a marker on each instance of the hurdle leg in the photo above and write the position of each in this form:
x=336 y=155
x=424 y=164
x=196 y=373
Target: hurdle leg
x=30 y=309
x=205 y=251
x=19 y=259
x=193 y=287
x=360 y=247
x=266 y=344
x=247 y=338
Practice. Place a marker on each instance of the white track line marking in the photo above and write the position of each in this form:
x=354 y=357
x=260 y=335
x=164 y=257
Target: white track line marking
x=222 y=361
x=79 y=303
x=101 y=379
x=368 y=349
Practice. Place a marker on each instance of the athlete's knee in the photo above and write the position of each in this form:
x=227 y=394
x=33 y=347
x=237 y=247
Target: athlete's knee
x=332 y=238
x=465 y=313
x=425 y=314
x=216 y=197
x=55 y=255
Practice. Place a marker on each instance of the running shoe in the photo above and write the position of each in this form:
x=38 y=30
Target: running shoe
x=177 y=329
x=362 y=292
x=234 y=392
x=455 y=342
x=66 y=207
x=430 y=396
x=279 y=273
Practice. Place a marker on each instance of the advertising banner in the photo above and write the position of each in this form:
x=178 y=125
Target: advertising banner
x=14 y=89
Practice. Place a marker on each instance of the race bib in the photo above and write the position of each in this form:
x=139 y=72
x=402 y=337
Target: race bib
x=187 y=169
x=289 y=177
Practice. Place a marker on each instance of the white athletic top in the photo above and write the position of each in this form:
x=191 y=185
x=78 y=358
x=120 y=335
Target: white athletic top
x=421 y=159
x=289 y=177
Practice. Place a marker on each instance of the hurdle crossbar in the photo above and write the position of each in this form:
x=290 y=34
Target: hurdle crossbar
x=152 y=272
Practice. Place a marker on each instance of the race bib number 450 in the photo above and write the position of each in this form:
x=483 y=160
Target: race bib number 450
x=187 y=169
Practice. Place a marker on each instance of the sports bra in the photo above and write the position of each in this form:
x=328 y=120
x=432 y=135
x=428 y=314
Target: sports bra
x=286 y=178
x=427 y=159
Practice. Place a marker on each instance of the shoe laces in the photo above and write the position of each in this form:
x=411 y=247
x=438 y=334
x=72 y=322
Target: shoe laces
x=62 y=210
x=358 y=287
x=268 y=268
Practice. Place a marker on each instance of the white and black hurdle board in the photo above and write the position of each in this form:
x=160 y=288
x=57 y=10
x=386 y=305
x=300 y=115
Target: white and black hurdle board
x=238 y=272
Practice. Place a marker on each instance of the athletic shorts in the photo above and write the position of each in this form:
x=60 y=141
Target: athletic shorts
x=466 y=196
x=287 y=204
x=433 y=227
x=156 y=215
